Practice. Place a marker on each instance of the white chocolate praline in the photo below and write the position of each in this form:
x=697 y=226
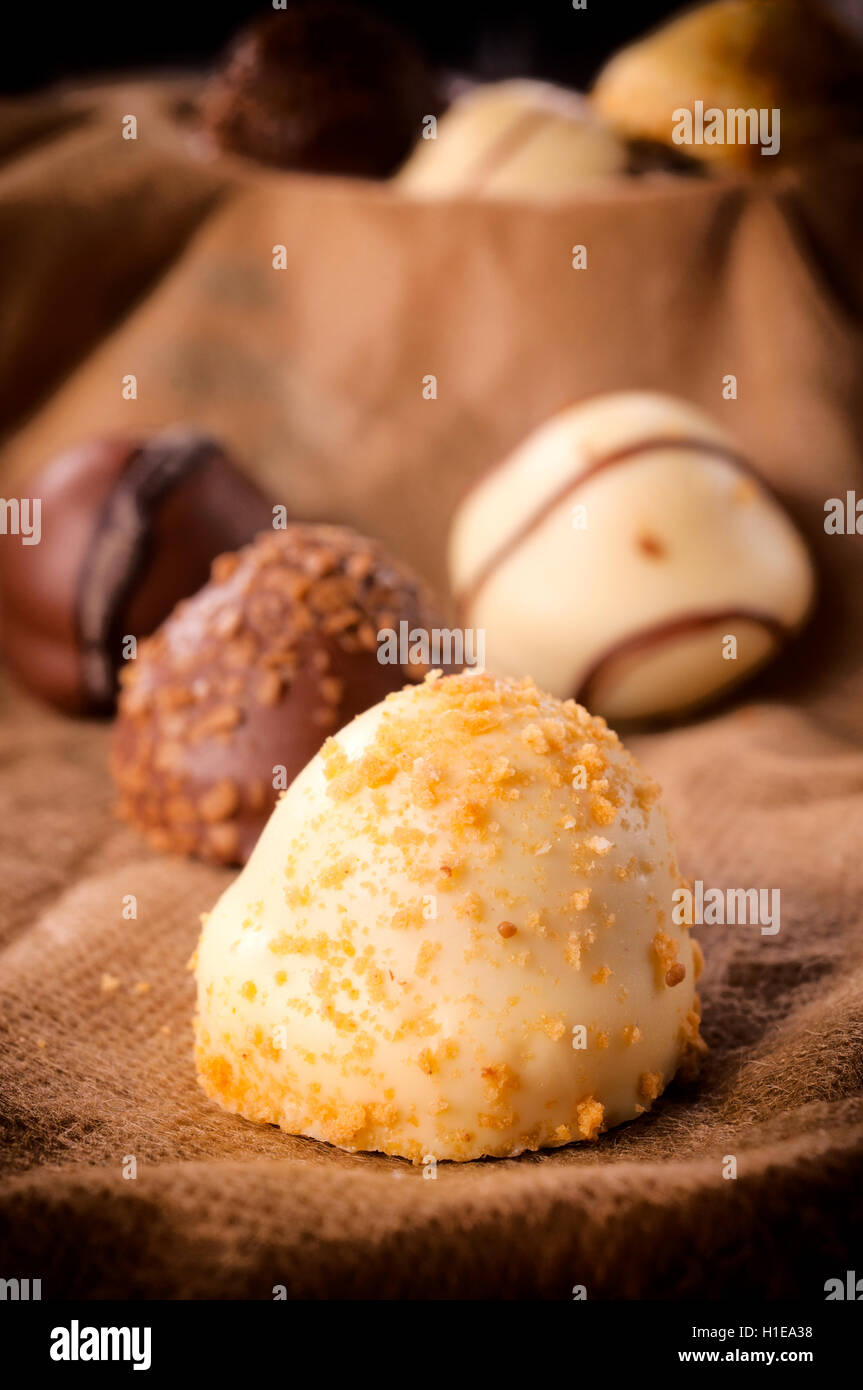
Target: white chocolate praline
x=616 y=550
x=517 y=138
x=465 y=881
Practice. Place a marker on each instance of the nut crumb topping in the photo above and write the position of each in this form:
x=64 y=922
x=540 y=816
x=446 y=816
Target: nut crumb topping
x=239 y=652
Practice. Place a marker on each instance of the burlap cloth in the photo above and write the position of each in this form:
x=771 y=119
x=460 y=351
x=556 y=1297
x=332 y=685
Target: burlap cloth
x=140 y=257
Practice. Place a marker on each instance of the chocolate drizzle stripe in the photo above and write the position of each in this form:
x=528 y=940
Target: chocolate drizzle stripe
x=120 y=548
x=680 y=626
x=641 y=447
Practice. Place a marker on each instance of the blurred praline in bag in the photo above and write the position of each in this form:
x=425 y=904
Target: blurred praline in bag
x=526 y=139
x=787 y=60
x=321 y=86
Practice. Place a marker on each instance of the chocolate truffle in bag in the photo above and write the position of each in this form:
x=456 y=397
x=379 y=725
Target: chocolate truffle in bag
x=323 y=87
x=128 y=528
x=628 y=555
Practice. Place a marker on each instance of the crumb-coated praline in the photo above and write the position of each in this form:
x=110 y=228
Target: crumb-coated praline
x=323 y=87
x=128 y=529
x=455 y=936
x=626 y=553
x=234 y=693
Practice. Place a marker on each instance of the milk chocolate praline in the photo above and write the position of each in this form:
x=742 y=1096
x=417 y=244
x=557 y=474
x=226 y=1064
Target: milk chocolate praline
x=128 y=528
x=322 y=87
x=240 y=687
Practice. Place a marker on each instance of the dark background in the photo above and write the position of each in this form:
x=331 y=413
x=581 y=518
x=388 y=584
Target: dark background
x=498 y=38
x=488 y=38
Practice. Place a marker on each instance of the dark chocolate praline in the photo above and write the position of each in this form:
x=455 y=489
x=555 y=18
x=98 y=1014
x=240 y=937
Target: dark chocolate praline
x=323 y=87
x=128 y=529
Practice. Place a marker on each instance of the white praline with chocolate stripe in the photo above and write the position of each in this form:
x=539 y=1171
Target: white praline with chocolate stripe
x=514 y=139
x=455 y=936
x=616 y=551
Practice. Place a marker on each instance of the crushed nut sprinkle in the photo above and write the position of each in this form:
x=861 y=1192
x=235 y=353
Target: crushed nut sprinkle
x=652 y=546
x=649 y=1086
x=665 y=950
x=589 y=1117
x=293 y=600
